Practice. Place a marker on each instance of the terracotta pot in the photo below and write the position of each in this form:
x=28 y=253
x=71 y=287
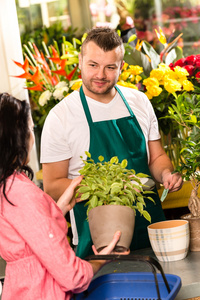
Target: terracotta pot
x=105 y=220
x=194 y=225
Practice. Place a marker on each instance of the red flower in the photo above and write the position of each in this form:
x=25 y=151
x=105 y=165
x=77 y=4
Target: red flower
x=180 y=62
x=171 y=65
x=198 y=61
x=197 y=76
x=190 y=69
x=190 y=60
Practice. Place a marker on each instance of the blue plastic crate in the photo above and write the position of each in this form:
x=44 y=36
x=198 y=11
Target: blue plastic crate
x=131 y=286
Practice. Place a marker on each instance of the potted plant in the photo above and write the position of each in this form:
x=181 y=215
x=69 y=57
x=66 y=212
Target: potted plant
x=186 y=113
x=113 y=192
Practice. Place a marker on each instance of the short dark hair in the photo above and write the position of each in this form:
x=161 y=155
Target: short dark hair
x=14 y=137
x=104 y=37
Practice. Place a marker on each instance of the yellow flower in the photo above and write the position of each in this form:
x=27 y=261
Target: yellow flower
x=76 y=84
x=151 y=81
x=127 y=84
x=154 y=90
x=171 y=75
x=187 y=85
x=181 y=72
x=125 y=66
x=133 y=78
x=125 y=75
x=135 y=70
x=149 y=95
x=164 y=67
x=138 y=78
x=161 y=36
x=139 y=45
x=157 y=73
x=172 y=86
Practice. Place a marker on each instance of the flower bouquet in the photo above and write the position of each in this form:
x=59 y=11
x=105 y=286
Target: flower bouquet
x=50 y=76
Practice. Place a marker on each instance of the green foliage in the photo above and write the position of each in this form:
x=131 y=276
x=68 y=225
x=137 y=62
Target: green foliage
x=48 y=35
x=111 y=183
x=134 y=57
x=186 y=113
x=191 y=158
x=148 y=58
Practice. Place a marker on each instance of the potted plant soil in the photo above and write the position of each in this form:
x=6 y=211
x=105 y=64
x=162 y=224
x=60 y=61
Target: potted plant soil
x=114 y=193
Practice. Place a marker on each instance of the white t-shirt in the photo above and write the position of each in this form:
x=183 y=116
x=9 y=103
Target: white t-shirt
x=66 y=133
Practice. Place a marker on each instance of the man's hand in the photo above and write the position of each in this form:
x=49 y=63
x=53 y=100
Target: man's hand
x=172 y=181
x=67 y=201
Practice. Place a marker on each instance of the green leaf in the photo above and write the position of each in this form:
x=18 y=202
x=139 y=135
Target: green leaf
x=85 y=196
x=132 y=38
x=146 y=215
x=83 y=189
x=171 y=56
x=77 y=41
x=116 y=188
x=124 y=163
x=100 y=194
x=153 y=55
x=114 y=160
x=134 y=57
x=94 y=201
x=101 y=158
x=88 y=154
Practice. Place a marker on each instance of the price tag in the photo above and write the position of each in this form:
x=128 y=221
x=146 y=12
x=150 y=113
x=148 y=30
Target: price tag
x=164 y=195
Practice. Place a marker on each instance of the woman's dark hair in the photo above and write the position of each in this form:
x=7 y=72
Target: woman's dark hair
x=14 y=138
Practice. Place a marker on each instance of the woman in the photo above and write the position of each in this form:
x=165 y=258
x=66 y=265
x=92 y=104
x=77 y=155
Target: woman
x=40 y=261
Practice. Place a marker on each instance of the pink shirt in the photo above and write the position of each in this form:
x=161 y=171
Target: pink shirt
x=33 y=241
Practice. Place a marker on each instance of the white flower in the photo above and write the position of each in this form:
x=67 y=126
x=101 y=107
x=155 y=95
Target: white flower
x=44 y=97
x=58 y=93
x=61 y=84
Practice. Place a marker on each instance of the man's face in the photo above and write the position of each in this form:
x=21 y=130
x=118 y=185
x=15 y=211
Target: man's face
x=100 y=70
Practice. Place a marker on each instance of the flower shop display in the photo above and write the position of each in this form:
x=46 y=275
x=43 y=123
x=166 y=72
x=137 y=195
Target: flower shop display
x=53 y=73
x=185 y=112
x=146 y=56
x=50 y=76
x=112 y=192
x=174 y=16
x=161 y=87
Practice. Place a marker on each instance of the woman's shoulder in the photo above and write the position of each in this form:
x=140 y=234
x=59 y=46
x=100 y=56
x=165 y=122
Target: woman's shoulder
x=20 y=189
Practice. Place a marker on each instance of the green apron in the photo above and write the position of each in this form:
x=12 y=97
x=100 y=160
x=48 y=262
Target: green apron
x=123 y=138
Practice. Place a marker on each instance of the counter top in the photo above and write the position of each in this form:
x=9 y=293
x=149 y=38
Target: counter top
x=187 y=269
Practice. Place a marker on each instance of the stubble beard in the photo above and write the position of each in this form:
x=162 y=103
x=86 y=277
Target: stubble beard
x=95 y=91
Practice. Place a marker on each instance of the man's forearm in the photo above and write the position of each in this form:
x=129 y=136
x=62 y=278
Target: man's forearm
x=56 y=188
x=160 y=166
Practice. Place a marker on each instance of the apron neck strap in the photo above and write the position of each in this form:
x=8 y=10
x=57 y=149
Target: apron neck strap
x=85 y=107
x=125 y=102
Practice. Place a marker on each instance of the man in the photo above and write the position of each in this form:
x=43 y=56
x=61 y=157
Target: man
x=105 y=120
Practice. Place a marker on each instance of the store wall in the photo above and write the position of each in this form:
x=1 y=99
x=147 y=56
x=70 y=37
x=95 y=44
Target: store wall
x=10 y=49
